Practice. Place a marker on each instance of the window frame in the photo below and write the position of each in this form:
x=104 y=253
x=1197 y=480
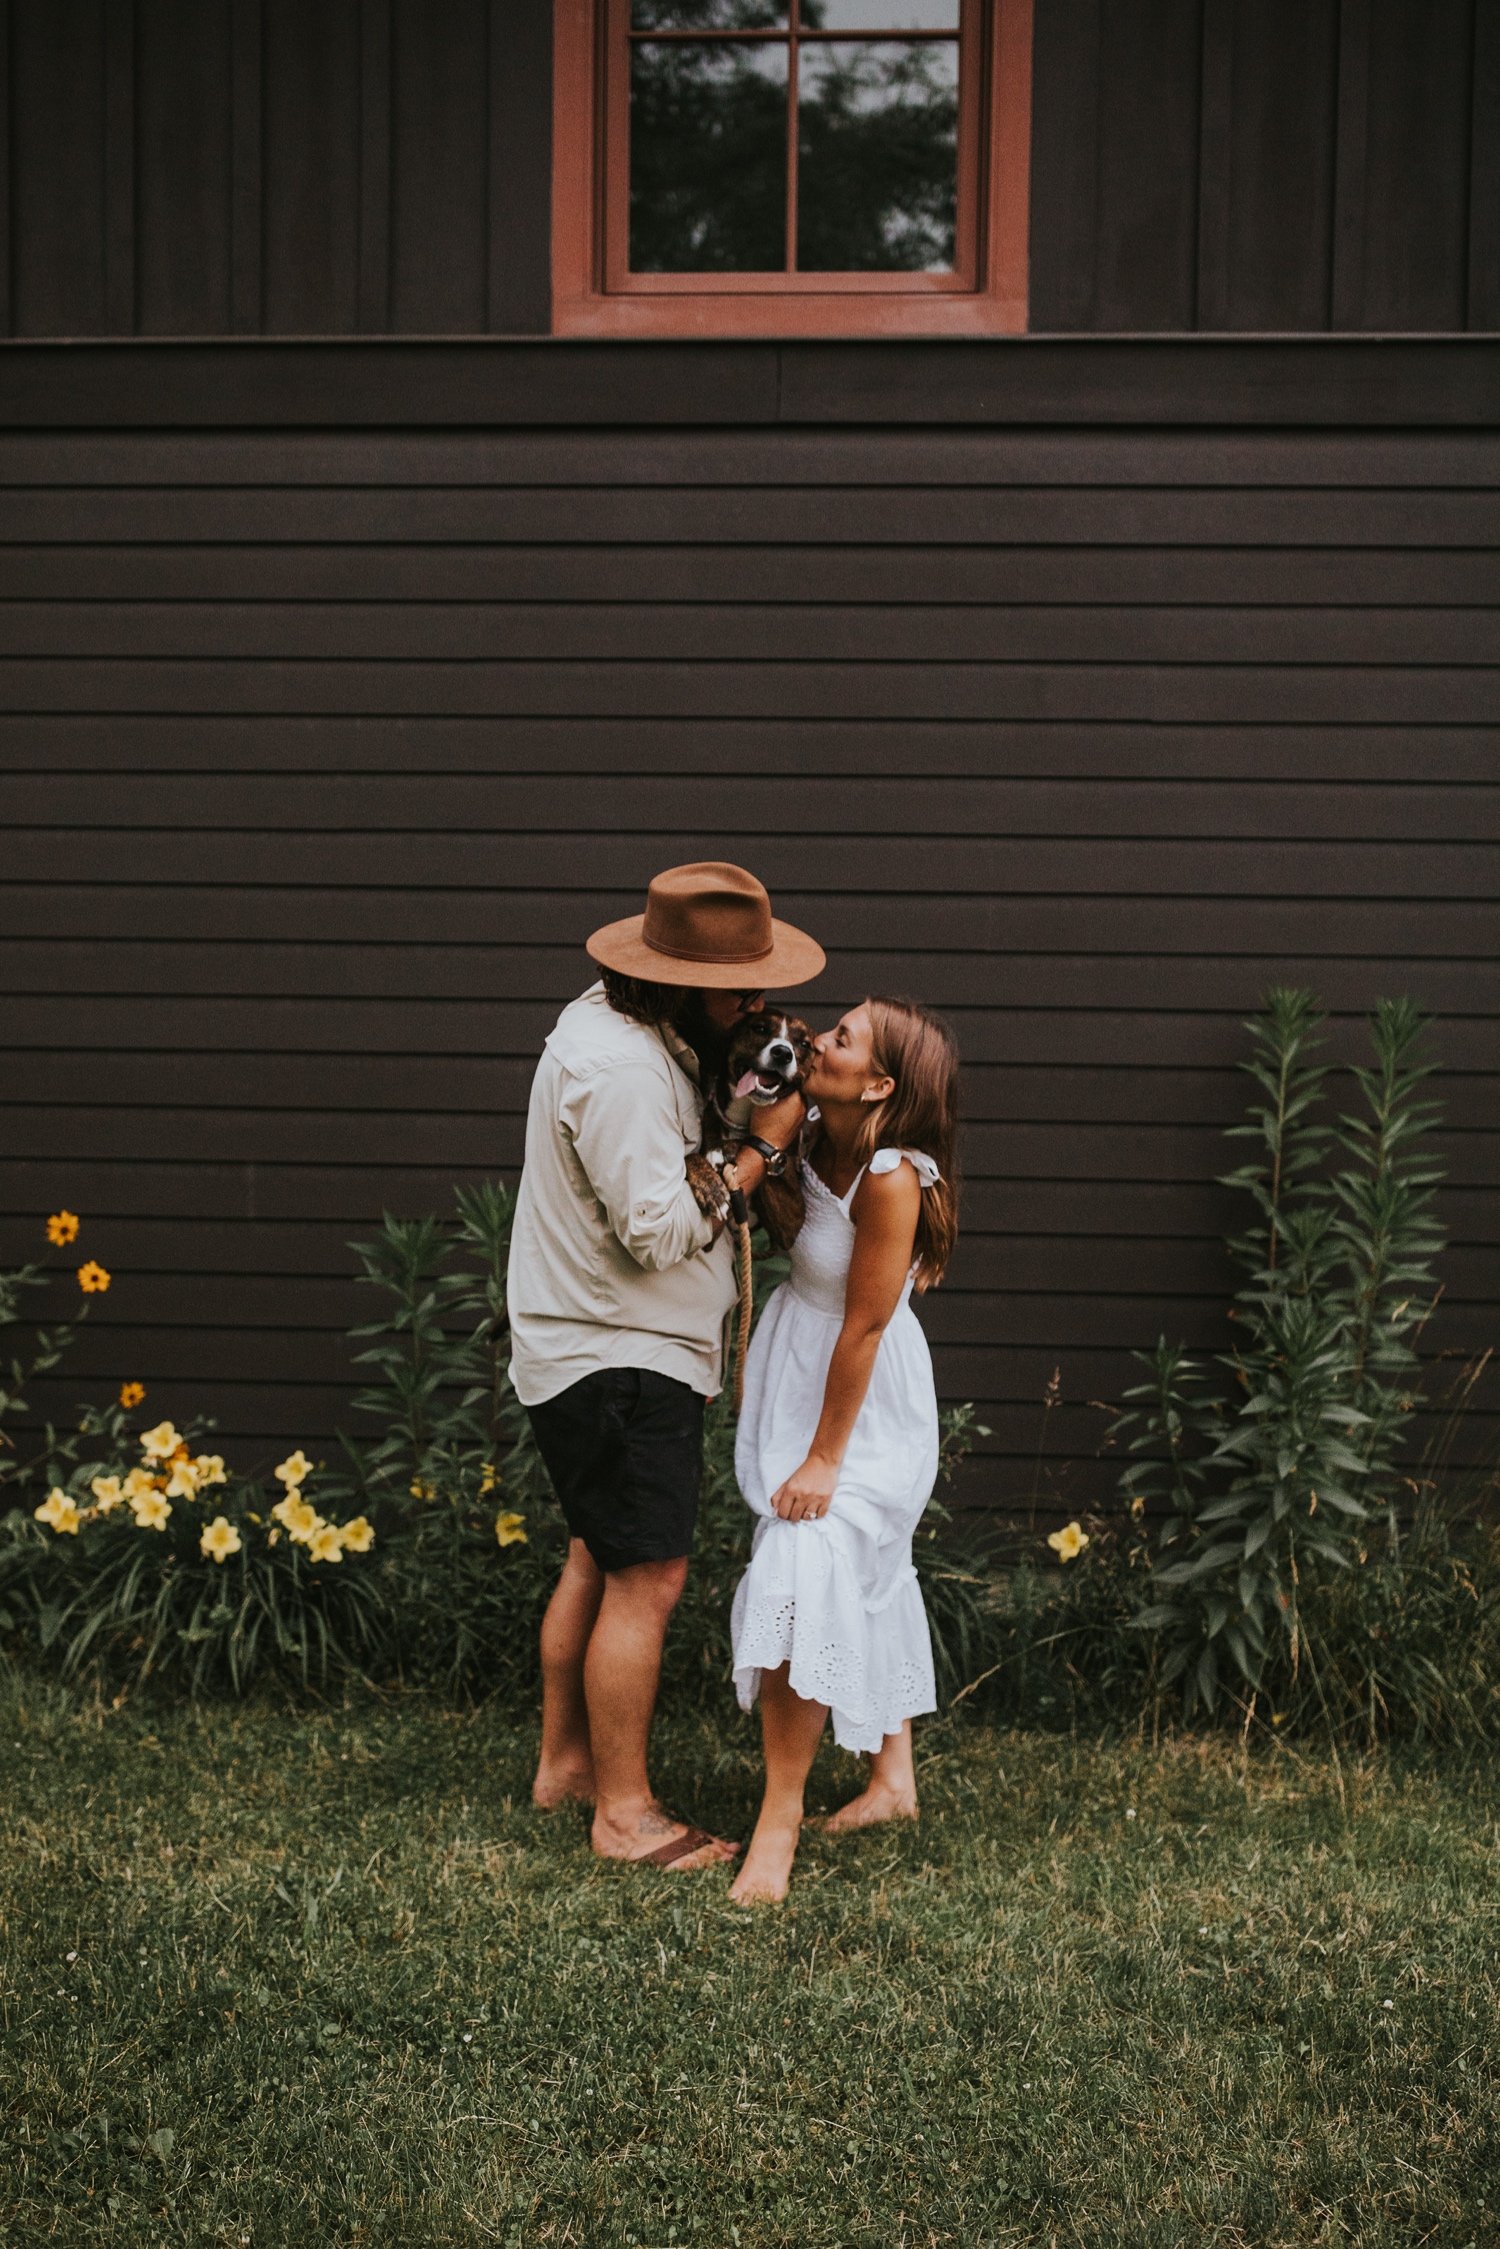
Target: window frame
x=592 y=294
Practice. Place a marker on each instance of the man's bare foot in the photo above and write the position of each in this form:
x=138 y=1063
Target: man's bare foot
x=637 y=1836
x=869 y=1808
x=566 y=1783
x=768 y=1862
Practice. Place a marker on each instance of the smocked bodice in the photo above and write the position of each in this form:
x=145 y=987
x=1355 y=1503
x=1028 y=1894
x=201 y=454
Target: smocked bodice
x=822 y=1250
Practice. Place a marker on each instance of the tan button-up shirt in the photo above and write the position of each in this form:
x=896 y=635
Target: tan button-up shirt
x=612 y=1263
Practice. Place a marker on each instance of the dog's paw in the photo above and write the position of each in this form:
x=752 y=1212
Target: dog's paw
x=709 y=1190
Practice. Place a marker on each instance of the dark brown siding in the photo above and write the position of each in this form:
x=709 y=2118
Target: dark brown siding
x=338 y=167
x=327 y=748
x=278 y=167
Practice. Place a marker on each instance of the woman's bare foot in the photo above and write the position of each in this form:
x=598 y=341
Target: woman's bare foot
x=873 y=1804
x=768 y=1862
x=637 y=1835
x=567 y=1782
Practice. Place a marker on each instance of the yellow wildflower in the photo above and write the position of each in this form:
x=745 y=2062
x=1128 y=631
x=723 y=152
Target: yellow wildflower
x=423 y=1490
x=358 y=1535
x=220 y=1539
x=273 y=1538
x=183 y=1481
x=108 y=1492
x=62 y=1228
x=510 y=1530
x=488 y=1479
x=131 y=1394
x=210 y=1467
x=293 y=1470
x=58 y=1510
x=302 y=1520
x=1138 y=1505
x=138 y=1483
x=326 y=1544
x=161 y=1442
x=92 y=1278
x=151 y=1510
x=1069 y=1542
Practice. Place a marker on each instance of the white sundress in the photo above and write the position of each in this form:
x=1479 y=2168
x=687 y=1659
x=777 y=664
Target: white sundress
x=837 y=1597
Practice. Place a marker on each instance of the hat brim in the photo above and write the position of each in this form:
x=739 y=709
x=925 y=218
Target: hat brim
x=794 y=958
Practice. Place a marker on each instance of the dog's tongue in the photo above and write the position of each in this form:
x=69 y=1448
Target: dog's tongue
x=746 y=1085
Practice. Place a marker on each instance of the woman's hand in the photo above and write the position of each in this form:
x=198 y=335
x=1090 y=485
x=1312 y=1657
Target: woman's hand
x=806 y=1494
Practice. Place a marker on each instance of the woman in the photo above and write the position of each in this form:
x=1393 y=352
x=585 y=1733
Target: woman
x=838 y=1441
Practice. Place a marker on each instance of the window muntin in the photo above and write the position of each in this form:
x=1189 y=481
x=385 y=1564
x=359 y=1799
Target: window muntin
x=795 y=144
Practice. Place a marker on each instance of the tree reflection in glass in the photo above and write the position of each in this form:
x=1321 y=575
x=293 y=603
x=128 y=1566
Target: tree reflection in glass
x=708 y=127
x=877 y=124
x=713 y=15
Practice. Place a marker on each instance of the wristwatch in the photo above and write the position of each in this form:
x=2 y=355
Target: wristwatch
x=775 y=1158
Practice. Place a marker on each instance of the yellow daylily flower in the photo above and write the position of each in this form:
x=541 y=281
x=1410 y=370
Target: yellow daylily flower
x=183 y=1481
x=138 y=1483
x=297 y=1516
x=489 y=1478
x=151 y=1510
x=358 y=1535
x=510 y=1529
x=420 y=1489
x=293 y=1470
x=220 y=1539
x=131 y=1394
x=108 y=1492
x=92 y=1278
x=59 y=1510
x=62 y=1228
x=1069 y=1542
x=161 y=1442
x=325 y=1545
x=210 y=1467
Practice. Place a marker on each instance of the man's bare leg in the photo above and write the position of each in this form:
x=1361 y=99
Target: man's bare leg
x=565 y=1769
x=890 y=1793
x=792 y=1728
x=620 y=1673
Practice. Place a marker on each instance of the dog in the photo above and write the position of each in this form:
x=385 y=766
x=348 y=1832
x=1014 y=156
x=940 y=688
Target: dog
x=766 y=1061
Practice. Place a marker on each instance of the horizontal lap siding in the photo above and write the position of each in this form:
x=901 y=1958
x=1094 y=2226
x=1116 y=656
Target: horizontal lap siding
x=321 y=755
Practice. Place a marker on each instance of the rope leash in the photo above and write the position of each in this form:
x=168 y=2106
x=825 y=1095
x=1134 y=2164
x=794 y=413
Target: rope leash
x=739 y=1218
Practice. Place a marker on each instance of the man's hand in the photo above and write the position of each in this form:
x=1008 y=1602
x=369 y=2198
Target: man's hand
x=807 y=1494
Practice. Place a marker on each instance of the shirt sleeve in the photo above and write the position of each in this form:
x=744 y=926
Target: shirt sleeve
x=629 y=1143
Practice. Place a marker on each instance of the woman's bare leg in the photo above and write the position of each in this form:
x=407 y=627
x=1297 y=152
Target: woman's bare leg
x=791 y=1728
x=890 y=1793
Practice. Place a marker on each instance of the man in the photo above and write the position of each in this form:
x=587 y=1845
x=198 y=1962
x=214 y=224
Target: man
x=619 y=1287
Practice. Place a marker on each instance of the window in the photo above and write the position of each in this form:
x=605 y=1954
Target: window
x=791 y=167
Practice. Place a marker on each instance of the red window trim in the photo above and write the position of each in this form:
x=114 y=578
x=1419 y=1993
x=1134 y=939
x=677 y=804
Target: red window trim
x=986 y=296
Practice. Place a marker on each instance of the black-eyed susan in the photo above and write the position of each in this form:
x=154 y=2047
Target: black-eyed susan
x=131 y=1394
x=219 y=1539
x=510 y=1528
x=92 y=1278
x=62 y=1228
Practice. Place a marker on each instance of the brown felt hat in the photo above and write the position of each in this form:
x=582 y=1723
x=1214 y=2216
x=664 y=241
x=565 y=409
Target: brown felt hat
x=708 y=924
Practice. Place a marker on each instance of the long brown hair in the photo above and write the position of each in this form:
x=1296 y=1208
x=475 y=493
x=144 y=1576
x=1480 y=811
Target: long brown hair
x=920 y=1052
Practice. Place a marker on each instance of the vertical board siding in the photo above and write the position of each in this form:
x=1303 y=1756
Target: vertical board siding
x=333 y=167
x=1270 y=165
x=325 y=751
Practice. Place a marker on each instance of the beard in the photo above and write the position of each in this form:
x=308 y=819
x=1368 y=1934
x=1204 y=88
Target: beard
x=703 y=1035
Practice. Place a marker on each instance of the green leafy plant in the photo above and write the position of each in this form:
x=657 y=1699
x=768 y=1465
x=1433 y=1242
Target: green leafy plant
x=1267 y=1484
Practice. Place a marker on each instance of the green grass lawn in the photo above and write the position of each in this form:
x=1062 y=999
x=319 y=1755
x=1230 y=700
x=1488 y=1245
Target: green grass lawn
x=323 y=1976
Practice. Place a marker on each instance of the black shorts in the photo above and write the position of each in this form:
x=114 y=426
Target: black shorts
x=624 y=1450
